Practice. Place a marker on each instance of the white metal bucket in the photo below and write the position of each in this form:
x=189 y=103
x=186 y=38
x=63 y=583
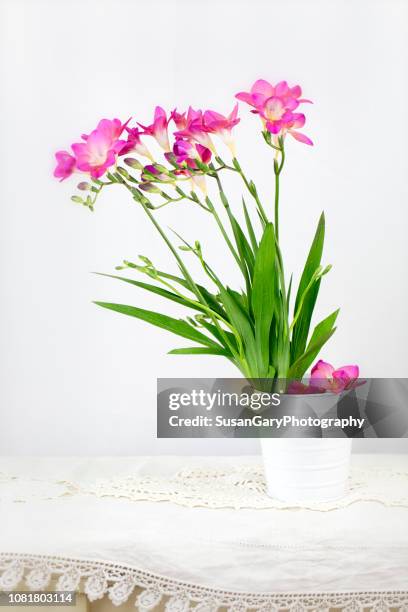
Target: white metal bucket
x=306 y=469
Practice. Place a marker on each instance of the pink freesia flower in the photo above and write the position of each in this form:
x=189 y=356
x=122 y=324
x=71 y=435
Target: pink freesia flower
x=158 y=129
x=100 y=149
x=187 y=151
x=179 y=119
x=222 y=126
x=65 y=165
x=97 y=153
x=262 y=90
x=135 y=143
x=324 y=376
x=184 y=149
x=275 y=105
x=112 y=128
x=195 y=129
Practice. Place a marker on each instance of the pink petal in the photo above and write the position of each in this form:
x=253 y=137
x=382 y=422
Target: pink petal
x=347 y=372
x=244 y=97
x=212 y=116
x=298 y=120
x=204 y=153
x=194 y=115
x=297 y=387
x=292 y=104
x=322 y=370
x=281 y=89
x=159 y=113
x=301 y=137
x=234 y=113
x=258 y=100
x=288 y=117
x=65 y=165
x=263 y=87
x=296 y=91
x=274 y=127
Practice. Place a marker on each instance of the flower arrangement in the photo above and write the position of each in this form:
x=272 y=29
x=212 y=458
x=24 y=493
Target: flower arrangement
x=256 y=327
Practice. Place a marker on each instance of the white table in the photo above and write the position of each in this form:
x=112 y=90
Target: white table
x=239 y=558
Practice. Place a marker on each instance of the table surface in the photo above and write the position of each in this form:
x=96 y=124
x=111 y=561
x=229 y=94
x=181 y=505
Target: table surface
x=362 y=547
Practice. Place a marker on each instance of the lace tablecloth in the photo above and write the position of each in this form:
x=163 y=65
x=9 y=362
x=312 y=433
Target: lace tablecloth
x=201 y=532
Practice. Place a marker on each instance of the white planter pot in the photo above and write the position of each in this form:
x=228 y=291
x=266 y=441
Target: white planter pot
x=306 y=469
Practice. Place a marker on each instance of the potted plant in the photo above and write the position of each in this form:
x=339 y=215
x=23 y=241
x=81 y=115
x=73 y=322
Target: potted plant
x=263 y=327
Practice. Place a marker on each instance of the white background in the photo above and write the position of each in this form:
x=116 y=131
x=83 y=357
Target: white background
x=76 y=379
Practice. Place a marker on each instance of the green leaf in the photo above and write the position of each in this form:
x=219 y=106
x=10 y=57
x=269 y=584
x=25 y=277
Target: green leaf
x=324 y=326
x=263 y=296
x=240 y=299
x=210 y=298
x=243 y=246
x=250 y=228
x=321 y=334
x=218 y=335
x=302 y=326
x=176 y=326
x=198 y=350
x=158 y=290
x=240 y=321
x=289 y=292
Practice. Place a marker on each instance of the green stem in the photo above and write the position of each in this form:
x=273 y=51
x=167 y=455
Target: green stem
x=251 y=188
x=223 y=232
x=278 y=169
x=184 y=270
x=277 y=205
x=226 y=205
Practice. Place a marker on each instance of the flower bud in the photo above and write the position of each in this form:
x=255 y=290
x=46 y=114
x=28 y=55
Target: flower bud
x=161 y=168
x=84 y=186
x=145 y=260
x=123 y=172
x=133 y=163
x=149 y=187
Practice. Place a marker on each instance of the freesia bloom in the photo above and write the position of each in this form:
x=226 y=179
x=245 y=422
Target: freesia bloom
x=186 y=154
x=112 y=128
x=65 y=165
x=97 y=153
x=222 y=126
x=275 y=105
x=100 y=149
x=186 y=151
x=179 y=119
x=195 y=129
x=324 y=376
x=262 y=90
x=158 y=129
x=135 y=143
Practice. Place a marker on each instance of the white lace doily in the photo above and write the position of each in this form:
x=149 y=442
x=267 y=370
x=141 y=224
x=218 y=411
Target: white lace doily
x=119 y=582
x=240 y=487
